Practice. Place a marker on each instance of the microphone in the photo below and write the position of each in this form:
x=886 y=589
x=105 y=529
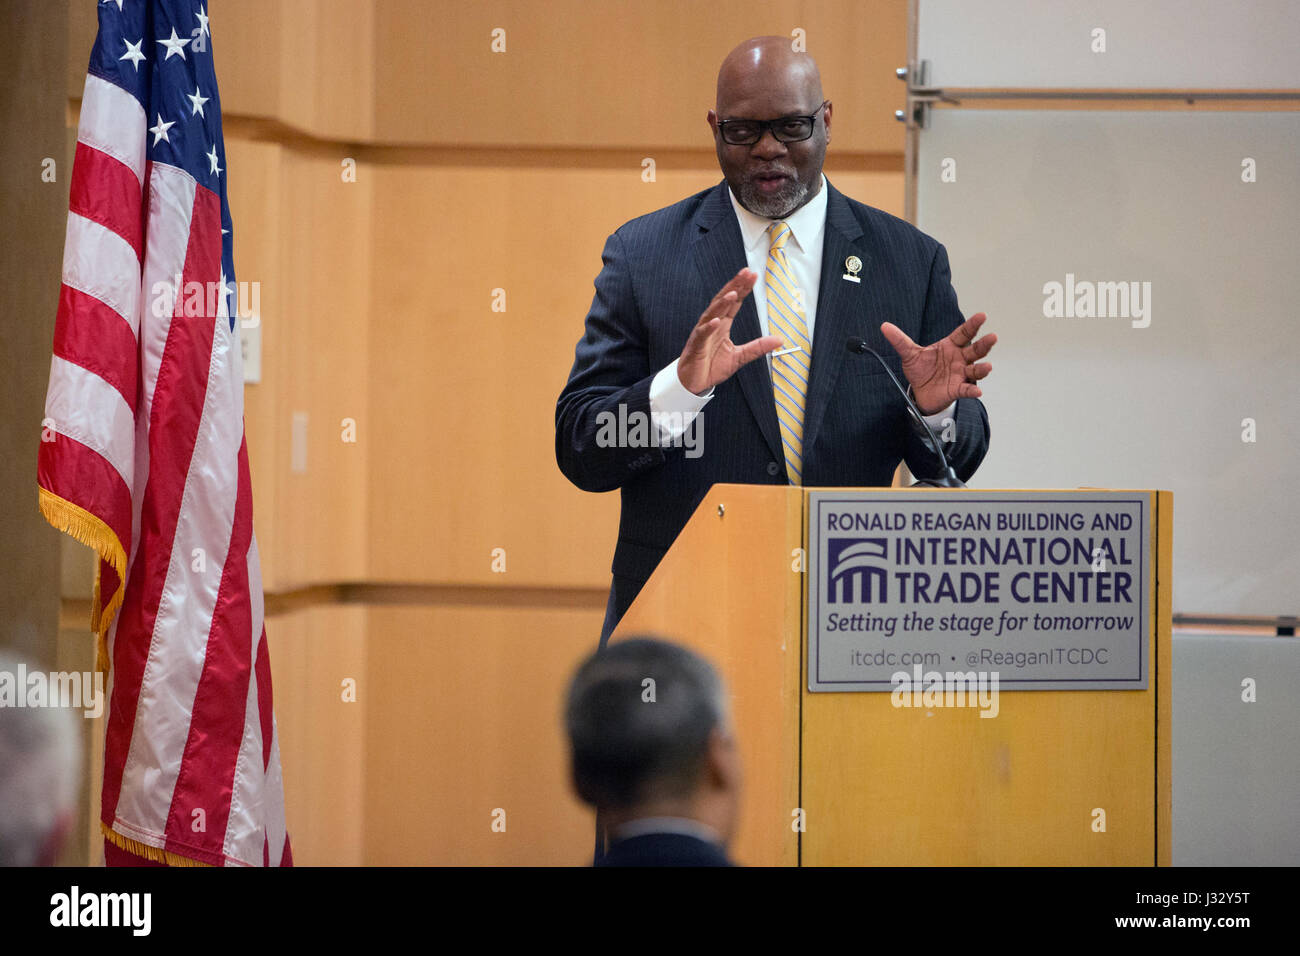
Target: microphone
x=949 y=477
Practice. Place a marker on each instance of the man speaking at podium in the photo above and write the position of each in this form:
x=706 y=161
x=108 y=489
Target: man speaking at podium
x=665 y=400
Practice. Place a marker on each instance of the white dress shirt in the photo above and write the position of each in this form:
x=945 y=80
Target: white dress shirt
x=673 y=406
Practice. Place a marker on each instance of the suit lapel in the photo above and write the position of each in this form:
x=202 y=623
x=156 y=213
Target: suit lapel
x=839 y=309
x=719 y=255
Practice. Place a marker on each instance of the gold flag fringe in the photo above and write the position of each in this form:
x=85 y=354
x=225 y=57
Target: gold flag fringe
x=94 y=533
x=145 y=850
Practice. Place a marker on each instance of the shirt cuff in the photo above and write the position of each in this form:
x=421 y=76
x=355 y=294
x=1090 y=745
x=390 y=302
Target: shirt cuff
x=936 y=420
x=672 y=405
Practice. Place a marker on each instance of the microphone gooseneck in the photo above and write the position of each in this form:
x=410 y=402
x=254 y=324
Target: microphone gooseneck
x=949 y=477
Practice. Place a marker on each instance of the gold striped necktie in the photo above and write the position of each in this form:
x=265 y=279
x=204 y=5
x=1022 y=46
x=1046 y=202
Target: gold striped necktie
x=785 y=316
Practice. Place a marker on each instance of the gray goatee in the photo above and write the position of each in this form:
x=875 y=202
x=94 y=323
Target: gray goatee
x=779 y=204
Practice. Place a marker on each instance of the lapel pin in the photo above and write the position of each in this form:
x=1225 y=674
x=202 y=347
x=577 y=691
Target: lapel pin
x=854 y=265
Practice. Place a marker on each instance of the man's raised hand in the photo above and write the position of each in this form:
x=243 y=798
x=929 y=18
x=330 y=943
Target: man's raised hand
x=947 y=370
x=710 y=357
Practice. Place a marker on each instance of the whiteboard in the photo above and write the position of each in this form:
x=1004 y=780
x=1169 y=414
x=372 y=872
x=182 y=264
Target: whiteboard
x=1151 y=44
x=1149 y=197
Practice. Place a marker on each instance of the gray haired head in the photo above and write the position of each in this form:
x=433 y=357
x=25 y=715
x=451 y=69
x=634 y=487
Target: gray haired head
x=639 y=716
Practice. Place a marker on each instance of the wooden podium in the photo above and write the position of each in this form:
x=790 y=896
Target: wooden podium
x=885 y=786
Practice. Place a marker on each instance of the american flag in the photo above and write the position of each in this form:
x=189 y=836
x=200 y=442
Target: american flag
x=143 y=454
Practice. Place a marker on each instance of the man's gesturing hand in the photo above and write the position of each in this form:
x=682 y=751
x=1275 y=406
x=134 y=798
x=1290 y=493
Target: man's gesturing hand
x=947 y=370
x=710 y=356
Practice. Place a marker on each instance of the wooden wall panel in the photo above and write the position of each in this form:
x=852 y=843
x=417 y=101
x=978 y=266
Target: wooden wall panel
x=302 y=233
x=326 y=61
x=463 y=716
x=618 y=74
x=248 y=42
x=468 y=401
x=308 y=64
x=322 y=364
x=322 y=736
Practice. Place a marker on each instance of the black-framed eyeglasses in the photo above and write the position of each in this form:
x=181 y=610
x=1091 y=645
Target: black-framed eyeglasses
x=787 y=129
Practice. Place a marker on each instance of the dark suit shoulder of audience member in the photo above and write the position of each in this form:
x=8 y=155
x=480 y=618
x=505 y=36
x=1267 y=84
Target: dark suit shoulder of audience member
x=664 y=849
x=665 y=841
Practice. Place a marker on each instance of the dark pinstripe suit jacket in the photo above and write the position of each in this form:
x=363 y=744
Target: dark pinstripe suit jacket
x=659 y=273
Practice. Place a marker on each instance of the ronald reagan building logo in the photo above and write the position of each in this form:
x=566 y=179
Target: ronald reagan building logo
x=1051 y=589
x=857 y=571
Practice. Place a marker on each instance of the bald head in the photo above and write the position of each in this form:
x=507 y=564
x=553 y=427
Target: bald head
x=773 y=168
x=768 y=67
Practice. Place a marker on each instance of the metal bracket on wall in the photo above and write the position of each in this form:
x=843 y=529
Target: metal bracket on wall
x=920 y=95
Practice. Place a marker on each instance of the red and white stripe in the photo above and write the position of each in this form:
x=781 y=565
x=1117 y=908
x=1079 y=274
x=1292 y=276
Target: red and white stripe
x=148 y=411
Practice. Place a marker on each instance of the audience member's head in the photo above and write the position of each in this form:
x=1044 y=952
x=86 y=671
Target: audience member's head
x=40 y=773
x=650 y=736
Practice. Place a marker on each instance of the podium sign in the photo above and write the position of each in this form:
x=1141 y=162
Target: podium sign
x=1045 y=590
